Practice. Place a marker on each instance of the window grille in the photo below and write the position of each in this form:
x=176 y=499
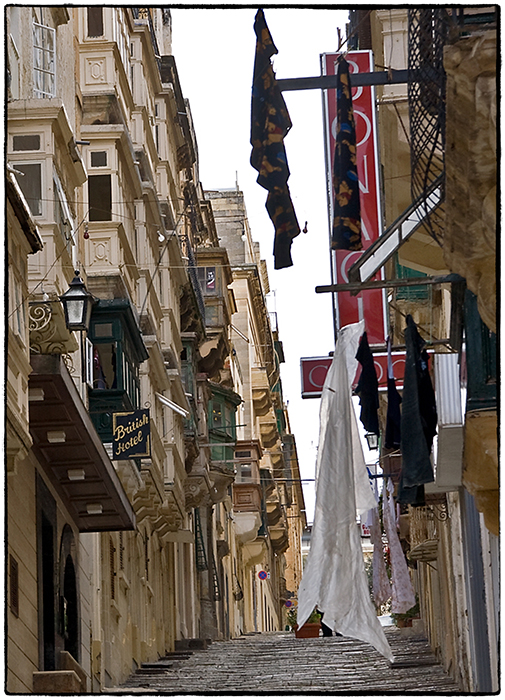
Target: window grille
x=44 y=60
x=428 y=31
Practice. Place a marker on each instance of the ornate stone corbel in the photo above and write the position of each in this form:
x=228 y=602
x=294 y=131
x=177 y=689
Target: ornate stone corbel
x=196 y=488
x=48 y=332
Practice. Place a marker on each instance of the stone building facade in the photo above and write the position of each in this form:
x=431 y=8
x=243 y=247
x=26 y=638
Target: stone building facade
x=113 y=562
x=441 y=127
x=268 y=504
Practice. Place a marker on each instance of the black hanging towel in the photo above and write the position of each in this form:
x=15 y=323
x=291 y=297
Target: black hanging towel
x=346 y=233
x=368 y=387
x=393 y=419
x=270 y=123
x=419 y=420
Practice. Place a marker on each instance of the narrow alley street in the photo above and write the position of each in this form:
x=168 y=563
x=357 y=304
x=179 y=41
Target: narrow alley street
x=279 y=663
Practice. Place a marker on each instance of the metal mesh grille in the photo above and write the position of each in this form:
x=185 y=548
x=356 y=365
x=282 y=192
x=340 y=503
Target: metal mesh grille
x=428 y=33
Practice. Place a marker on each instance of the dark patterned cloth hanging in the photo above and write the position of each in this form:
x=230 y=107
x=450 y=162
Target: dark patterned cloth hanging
x=419 y=420
x=270 y=123
x=367 y=388
x=393 y=418
x=346 y=233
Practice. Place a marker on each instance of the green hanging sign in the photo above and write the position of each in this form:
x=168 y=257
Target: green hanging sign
x=131 y=434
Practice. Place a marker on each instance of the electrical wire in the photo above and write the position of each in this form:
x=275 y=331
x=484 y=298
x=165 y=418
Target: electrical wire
x=151 y=282
x=47 y=273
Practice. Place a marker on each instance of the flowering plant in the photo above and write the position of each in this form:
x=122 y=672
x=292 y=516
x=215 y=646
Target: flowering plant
x=291 y=616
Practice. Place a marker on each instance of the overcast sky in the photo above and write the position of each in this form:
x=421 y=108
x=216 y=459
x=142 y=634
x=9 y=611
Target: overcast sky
x=214 y=51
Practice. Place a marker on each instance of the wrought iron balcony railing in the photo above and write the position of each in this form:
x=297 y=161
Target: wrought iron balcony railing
x=428 y=31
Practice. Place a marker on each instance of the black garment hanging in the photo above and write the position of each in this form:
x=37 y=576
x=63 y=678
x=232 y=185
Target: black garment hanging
x=393 y=418
x=270 y=122
x=368 y=388
x=419 y=419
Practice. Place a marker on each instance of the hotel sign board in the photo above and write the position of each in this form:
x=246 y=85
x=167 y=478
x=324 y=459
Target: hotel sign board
x=370 y=304
x=131 y=434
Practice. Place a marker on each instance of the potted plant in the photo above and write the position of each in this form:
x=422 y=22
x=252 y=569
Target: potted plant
x=310 y=628
x=405 y=619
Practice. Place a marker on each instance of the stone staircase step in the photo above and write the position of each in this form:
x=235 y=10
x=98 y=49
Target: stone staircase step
x=278 y=663
x=193 y=644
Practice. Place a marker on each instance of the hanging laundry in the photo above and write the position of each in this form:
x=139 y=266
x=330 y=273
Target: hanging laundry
x=270 y=122
x=346 y=233
x=403 y=596
x=334 y=577
x=393 y=418
x=368 y=388
x=418 y=421
x=381 y=583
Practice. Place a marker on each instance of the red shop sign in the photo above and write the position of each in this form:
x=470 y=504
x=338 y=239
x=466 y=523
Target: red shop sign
x=370 y=304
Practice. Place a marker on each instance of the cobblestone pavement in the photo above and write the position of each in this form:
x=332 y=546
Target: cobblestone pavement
x=277 y=662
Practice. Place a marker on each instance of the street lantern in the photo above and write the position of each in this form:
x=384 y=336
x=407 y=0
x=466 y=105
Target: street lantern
x=372 y=440
x=77 y=304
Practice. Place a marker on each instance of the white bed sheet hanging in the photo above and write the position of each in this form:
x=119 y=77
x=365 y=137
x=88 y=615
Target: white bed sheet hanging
x=334 y=578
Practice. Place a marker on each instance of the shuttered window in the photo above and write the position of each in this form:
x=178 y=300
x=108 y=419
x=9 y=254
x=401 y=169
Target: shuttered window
x=121 y=551
x=112 y=567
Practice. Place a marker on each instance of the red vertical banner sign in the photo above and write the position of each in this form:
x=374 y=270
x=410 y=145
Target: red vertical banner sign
x=371 y=304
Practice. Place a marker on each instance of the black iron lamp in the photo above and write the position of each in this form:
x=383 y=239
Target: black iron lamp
x=77 y=304
x=372 y=440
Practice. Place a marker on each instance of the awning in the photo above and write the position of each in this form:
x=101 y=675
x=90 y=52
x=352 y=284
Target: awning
x=69 y=450
x=395 y=235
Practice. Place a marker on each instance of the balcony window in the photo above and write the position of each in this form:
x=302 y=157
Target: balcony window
x=26 y=142
x=13 y=51
x=62 y=214
x=222 y=426
x=95 y=21
x=116 y=350
x=114 y=365
x=100 y=197
x=31 y=185
x=417 y=293
x=480 y=359
x=208 y=280
x=99 y=159
x=104 y=366
x=217 y=415
x=244 y=474
x=44 y=60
